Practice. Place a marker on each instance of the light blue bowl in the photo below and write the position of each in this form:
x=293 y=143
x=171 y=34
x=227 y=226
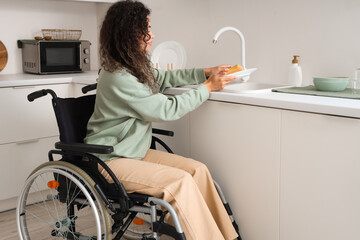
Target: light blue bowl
x=335 y=84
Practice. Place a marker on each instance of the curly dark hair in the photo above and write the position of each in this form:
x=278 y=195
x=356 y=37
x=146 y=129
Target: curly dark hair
x=124 y=26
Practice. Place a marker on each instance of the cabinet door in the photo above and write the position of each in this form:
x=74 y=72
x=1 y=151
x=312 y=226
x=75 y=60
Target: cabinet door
x=23 y=120
x=179 y=143
x=17 y=162
x=241 y=146
x=320 y=180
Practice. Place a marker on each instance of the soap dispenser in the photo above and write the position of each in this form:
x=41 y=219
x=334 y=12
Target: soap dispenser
x=295 y=74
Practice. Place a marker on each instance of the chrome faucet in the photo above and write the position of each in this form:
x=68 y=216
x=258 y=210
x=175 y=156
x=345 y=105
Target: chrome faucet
x=224 y=29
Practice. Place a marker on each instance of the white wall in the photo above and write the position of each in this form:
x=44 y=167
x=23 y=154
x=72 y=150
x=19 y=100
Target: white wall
x=322 y=32
x=23 y=19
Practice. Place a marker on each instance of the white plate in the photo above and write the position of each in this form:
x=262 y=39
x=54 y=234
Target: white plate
x=169 y=55
x=244 y=75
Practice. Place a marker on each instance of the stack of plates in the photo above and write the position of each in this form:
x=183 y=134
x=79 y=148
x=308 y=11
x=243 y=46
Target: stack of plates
x=169 y=55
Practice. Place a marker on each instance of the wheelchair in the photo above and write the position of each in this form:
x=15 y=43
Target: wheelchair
x=68 y=198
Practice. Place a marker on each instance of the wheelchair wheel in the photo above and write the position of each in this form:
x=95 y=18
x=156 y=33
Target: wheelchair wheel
x=58 y=201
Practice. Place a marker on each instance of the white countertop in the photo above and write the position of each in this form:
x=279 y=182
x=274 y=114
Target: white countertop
x=315 y=104
x=24 y=79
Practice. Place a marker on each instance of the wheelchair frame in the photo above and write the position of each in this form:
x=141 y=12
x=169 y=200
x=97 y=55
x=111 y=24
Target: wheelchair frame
x=77 y=164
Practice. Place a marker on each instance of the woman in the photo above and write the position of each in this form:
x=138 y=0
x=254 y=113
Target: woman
x=129 y=98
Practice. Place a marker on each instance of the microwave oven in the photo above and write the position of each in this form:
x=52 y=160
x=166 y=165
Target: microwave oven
x=52 y=56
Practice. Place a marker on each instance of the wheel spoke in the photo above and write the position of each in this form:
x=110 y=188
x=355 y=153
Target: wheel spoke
x=40 y=215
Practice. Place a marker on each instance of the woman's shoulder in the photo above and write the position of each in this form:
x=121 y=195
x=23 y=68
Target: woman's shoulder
x=118 y=75
x=120 y=80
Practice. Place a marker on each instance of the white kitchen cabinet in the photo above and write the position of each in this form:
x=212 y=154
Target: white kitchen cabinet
x=320 y=180
x=28 y=132
x=179 y=143
x=287 y=175
x=241 y=146
x=18 y=160
x=22 y=120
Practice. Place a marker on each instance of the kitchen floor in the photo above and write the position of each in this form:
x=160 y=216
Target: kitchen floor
x=8 y=227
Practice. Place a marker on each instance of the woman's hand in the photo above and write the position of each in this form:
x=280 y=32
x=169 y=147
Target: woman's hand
x=217 y=69
x=218 y=81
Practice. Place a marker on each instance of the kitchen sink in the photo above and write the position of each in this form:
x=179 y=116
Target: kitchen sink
x=250 y=87
x=246 y=87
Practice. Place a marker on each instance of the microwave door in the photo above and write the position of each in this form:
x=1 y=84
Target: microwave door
x=60 y=57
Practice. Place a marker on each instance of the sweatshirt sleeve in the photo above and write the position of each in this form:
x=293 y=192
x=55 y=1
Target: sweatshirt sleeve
x=123 y=95
x=179 y=77
x=158 y=107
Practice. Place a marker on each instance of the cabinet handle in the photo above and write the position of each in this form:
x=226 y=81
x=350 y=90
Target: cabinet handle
x=23 y=87
x=28 y=141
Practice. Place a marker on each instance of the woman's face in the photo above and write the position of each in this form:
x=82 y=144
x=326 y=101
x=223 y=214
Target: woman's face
x=148 y=39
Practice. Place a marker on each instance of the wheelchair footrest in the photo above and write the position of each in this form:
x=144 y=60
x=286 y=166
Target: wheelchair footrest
x=169 y=230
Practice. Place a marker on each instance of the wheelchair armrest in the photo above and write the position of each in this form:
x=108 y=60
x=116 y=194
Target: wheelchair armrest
x=162 y=132
x=82 y=147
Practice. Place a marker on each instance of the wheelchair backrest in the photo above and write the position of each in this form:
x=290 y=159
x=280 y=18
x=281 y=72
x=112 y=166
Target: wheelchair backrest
x=72 y=116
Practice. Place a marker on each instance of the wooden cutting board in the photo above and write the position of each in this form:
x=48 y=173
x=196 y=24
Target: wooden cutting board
x=3 y=56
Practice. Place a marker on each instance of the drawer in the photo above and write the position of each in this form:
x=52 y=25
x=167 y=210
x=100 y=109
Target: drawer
x=18 y=160
x=21 y=120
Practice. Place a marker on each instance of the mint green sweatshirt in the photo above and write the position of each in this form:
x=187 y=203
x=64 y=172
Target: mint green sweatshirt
x=125 y=109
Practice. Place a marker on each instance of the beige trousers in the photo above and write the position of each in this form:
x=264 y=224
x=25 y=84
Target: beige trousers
x=184 y=183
